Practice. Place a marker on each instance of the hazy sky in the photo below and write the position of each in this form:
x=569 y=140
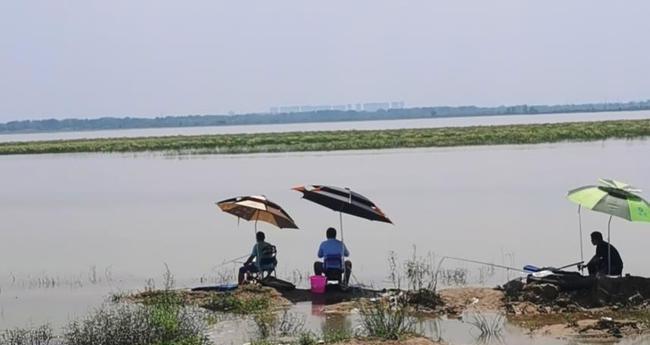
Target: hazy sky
x=89 y=58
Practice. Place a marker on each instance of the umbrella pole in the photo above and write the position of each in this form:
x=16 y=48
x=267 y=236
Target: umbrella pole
x=582 y=258
x=341 y=224
x=257 y=247
x=609 y=248
x=342 y=242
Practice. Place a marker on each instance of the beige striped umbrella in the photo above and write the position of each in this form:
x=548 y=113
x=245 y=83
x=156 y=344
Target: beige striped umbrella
x=257 y=208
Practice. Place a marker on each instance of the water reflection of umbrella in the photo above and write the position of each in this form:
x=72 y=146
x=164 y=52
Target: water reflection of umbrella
x=613 y=198
x=257 y=208
x=343 y=200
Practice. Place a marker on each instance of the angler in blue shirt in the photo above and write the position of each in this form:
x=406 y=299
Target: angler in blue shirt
x=333 y=251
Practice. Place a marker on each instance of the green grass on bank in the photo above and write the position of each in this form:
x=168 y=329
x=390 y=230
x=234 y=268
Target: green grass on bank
x=345 y=140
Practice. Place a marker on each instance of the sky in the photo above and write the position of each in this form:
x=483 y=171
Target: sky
x=145 y=58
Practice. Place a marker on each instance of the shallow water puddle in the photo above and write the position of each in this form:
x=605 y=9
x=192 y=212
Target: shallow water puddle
x=237 y=331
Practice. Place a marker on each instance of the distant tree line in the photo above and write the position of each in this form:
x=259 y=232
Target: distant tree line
x=104 y=123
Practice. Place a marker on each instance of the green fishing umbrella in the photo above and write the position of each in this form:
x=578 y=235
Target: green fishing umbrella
x=614 y=198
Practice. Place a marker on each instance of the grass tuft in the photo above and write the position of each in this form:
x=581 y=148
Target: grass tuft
x=389 y=321
x=18 y=336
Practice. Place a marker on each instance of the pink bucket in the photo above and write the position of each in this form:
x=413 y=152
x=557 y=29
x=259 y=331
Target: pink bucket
x=318 y=284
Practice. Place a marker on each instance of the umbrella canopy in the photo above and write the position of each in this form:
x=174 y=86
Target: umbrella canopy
x=258 y=208
x=343 y=200
x=614 y=198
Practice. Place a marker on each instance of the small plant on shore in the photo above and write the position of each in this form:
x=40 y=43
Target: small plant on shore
x=224 y=276
x=384 y=320
x=644 y=317
x=452 y=276
x=395 y=273
x=149 y=285
x=39 y=336
x=306 y=338
x=485 y=273
x=290 y=324
x=168 y=279
x=420 y=277
x=333 y=336
x=271 y=326
x=420 y=273
x=266 y=322
x=570 y=320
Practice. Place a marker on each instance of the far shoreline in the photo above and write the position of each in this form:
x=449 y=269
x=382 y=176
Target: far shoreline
x=112 y=123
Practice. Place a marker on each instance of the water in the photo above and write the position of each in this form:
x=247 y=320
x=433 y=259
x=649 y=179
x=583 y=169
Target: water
x=237 y=330
x=96 y=224
x=333 y=126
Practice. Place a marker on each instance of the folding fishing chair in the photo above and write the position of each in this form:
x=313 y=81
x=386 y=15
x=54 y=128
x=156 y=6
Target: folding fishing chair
x=267 y=264
x=334 y=269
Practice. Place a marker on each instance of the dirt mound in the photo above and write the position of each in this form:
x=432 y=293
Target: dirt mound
x=240 y=300
x=573 y=293
x=457 y=300
x=581 y=308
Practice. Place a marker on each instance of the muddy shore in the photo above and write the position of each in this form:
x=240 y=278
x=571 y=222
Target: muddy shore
x=618 y=309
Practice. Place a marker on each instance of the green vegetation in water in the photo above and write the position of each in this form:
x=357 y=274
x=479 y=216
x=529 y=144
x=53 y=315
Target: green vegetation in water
x=246 y=300
x=490 y=327
x=164 y=323
x=345 y=140
x=388 y=321
x=229 y=303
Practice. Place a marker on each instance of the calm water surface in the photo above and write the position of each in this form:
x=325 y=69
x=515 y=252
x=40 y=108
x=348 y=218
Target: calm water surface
x=76 y=227
x=333 y=126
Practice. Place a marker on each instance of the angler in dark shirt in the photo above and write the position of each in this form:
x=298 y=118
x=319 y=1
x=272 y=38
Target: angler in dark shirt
x=599 y=264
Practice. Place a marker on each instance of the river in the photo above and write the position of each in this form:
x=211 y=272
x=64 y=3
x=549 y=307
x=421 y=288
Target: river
x=76 y=227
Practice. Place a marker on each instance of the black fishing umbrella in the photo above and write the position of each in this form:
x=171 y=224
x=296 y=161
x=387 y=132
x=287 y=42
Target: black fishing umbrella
x=343 y=200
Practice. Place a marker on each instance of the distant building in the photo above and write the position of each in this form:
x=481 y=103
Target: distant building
x=310 y=108
x=376 y=106
x=294 y=109
x=370 y=107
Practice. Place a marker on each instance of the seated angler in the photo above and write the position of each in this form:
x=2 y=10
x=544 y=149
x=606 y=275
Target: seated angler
x=262 y=259
x=600 y=263
x=333 y=251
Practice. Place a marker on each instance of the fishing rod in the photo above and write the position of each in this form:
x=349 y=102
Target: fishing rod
x=236 y=260
x=571 y=265
x=478 y=262
x=503 y=266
